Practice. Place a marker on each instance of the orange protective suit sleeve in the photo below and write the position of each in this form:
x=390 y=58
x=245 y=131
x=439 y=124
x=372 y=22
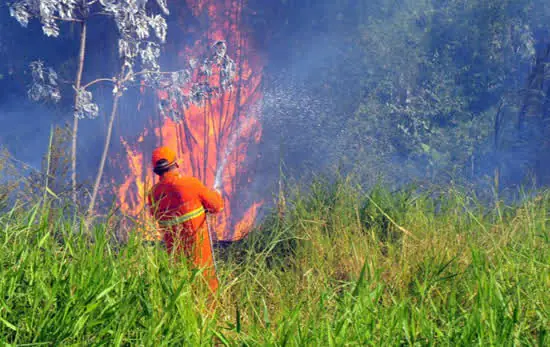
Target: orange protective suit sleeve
x=211 y=199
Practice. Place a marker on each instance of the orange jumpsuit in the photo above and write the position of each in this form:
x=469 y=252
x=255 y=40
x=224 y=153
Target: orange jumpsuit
x=179 y=204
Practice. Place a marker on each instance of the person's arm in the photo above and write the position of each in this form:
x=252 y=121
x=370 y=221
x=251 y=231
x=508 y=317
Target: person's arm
x=211 y=199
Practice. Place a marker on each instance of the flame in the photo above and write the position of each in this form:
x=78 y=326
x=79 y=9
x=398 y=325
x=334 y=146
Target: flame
x=204 y=135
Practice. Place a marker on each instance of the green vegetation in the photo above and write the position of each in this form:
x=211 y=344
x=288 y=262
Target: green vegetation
x=333 y=267
x=432 y=89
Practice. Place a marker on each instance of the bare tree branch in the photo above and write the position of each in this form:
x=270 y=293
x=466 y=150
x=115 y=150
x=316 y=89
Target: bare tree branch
x=68 y=19
x=112 y=80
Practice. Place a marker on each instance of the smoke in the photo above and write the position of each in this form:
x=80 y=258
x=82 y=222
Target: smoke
x=26 y=136
x=313 y=86
x=308 y=102
x=228 y=150
x=27 y=124
x=295 y=97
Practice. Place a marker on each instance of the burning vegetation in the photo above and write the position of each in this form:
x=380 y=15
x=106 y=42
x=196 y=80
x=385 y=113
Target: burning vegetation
x=208 y=112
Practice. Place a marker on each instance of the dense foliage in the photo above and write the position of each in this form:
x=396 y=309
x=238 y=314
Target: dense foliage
x=336 y=267
x=426 y=89
x=398 y=88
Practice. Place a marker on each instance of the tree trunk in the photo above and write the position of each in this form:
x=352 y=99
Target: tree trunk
x=75 y=120
x=104 y=155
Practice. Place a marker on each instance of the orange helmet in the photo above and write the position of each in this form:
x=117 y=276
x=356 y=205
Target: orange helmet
x=165 y=153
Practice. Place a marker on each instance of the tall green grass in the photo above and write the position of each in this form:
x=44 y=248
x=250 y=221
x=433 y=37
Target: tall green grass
x=340 y=267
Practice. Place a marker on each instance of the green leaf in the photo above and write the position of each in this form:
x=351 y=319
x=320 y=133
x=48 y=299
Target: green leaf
x=425 y=147
x=8 y=324
x=51 y=193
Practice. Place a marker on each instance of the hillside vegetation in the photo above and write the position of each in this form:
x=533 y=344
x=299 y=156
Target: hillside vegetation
x=335 y=266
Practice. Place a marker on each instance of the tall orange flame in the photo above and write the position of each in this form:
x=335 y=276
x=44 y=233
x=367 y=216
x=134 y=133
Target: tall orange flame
x=204 y=134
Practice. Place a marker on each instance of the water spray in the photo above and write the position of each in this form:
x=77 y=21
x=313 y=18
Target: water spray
x=230 y=147
x=218 y=178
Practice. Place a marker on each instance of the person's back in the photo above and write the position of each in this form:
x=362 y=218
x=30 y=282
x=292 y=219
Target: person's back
x=180 y=205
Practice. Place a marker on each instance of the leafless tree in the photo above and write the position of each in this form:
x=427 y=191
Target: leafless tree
x=140 y=36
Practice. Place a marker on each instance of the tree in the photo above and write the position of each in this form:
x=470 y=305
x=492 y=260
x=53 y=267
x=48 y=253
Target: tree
x=51 y=13
x=437 y=82
x=134 y=25
x=135 y=42
x=140 y=35
x=436 y=75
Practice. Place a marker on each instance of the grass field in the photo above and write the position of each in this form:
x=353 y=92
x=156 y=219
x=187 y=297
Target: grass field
x=339 y=268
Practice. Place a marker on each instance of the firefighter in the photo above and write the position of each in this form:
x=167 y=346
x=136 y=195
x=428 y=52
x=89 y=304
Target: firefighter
x=180 y=204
